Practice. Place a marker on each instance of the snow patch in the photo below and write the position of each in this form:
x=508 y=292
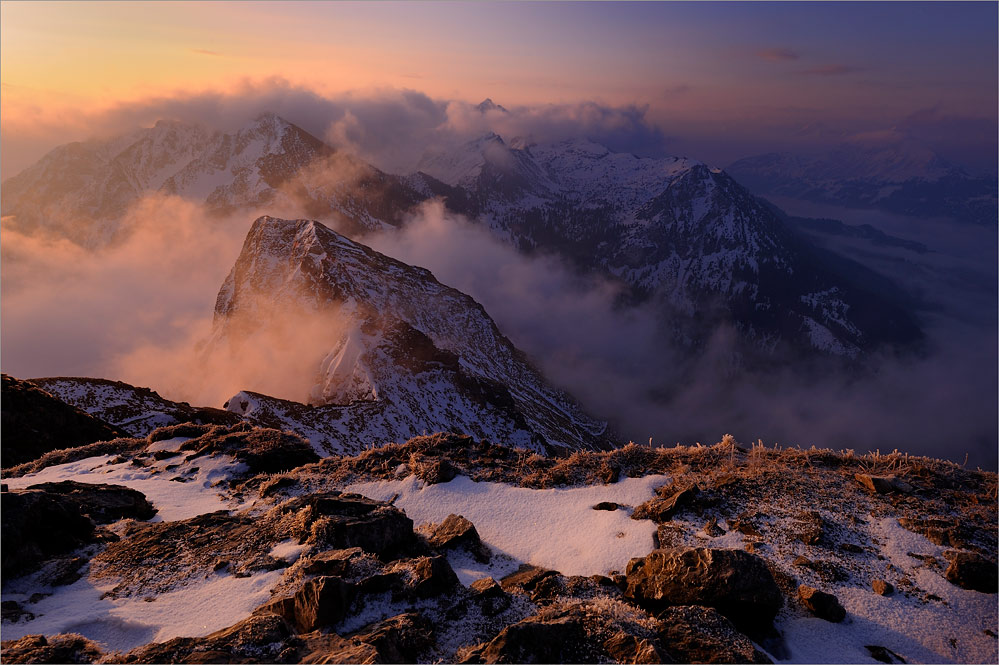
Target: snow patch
x=552 y=528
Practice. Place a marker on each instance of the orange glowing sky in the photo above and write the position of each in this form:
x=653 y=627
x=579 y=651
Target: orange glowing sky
x=700 y=67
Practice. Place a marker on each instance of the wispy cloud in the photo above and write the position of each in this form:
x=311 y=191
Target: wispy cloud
x=204 y=51
x=778 y=54
x=832 y=70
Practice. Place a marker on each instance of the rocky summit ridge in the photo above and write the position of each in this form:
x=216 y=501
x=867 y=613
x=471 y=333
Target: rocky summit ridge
x=403 y=354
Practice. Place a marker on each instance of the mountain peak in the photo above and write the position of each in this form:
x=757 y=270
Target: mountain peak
x=418 y=354
x=488 y=105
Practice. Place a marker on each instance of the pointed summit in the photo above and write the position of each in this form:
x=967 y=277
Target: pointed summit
x=488 y=105
x=406 y=354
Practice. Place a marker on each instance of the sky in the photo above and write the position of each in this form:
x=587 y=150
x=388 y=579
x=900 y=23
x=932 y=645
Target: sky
x=718 y=80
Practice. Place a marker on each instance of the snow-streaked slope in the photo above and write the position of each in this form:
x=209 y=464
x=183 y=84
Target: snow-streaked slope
x=82 y=190
x=679 y=233
x=405 y=355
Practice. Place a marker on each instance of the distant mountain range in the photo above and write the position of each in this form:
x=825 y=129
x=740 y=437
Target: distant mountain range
x=897 y=176
x=674 y=232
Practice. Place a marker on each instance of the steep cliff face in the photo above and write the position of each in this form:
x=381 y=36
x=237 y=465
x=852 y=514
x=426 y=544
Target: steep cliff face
x=406 y=354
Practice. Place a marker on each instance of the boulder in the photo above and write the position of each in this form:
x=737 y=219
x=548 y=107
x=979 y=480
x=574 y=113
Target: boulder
x=435 y=471
x=694 y=634
x=428 y=576
x=62 y=648
x=970 y=570
x=333 y=562
x=660 y=509
x=883 y=484
x=457 y=532
x=526 y=577
x=537 y=640
x=736 y=583
x=102 y=503
x=625 y=648
x=319 y=603
x=882 y=588
x=261 y=638
x=821 y=604
x=490 y=596
x=341 y=521
x=606 y=505
x=399 y=639
x=36 y=525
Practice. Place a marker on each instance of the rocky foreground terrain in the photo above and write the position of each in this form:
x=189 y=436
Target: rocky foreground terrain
x=235 y=543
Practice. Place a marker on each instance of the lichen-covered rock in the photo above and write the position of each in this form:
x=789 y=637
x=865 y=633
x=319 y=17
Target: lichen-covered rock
x=736 y=583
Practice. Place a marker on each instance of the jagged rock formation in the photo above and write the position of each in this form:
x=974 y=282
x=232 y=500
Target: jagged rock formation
x=678 y=232
x=82 y=190
x=407 y=353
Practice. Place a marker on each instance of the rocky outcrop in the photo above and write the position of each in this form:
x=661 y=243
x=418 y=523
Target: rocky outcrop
x=102 y=503
x=970 y=570
x=34 y=422
x=37 y=525
x=736 y=583
x=693 y=634
x=262 y=450
x=65 y=648
x=456 y=532
x=340 y=521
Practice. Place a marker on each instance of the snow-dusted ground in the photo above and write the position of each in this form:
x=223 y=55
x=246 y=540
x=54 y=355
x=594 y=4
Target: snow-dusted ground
x=951 y=631
x=192 y=494
x=553 y=528
x=125 y=623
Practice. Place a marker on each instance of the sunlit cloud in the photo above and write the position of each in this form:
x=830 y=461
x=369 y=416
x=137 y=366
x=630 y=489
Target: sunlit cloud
x=204 y=51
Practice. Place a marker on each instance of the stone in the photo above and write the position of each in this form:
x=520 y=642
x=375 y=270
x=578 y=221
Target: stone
x=625 y=648
x=712 y=529
x=12 y=611
x=810 y=528
x=102 y=503
x=694 y=634
x=341 y=521
x=821 y=604
x=533 y=640
x=399 y=639
x=436 y=471
x=262 y=638
x=430 y=576
x=319 y=603
x=457 y=532
x=970 y=570
x=62 y=648
x=525 y=577
x=490 y=596
x=736 y=583
x=882 y=588
x=660 y=509
x=333 y=562
x=606 y=505
x=883 y=484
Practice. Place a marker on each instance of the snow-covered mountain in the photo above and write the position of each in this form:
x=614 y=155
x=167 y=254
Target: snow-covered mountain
x=406 y=353
x=82 y=190
x=678 y=232
x=889 y=173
